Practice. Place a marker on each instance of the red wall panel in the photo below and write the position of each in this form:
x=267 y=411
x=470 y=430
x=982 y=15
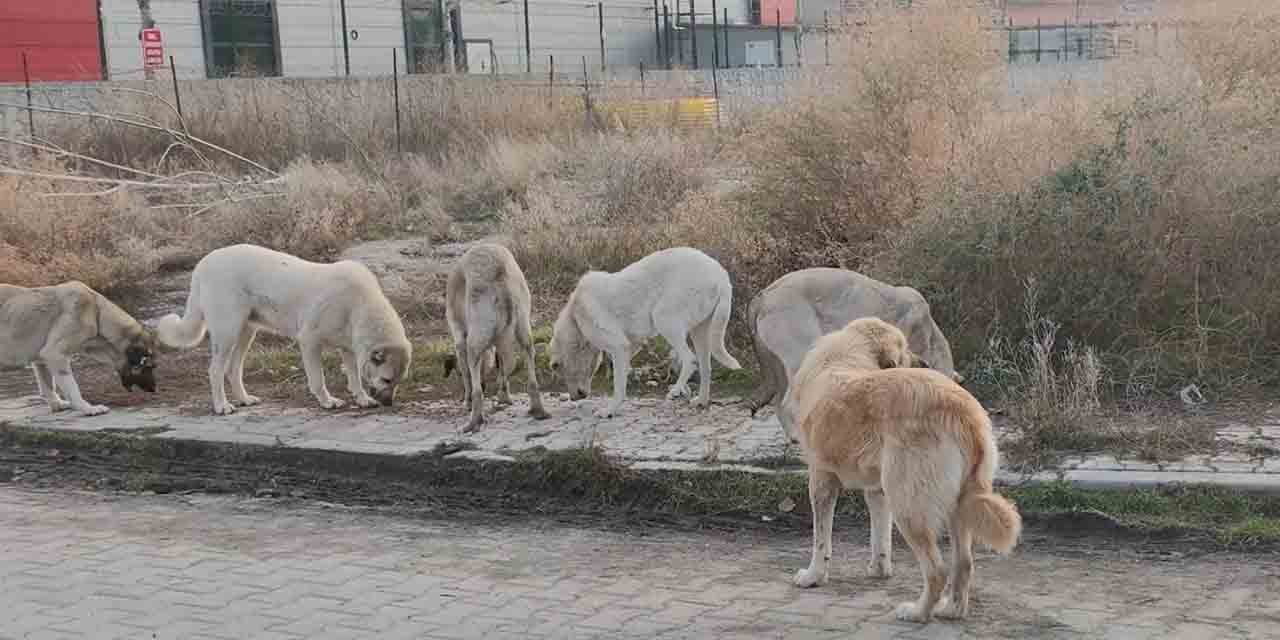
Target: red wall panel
x=60 y=38
x=769 y=10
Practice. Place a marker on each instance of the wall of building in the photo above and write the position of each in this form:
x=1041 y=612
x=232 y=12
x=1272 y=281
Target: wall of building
x=179 y=24
x=568 y=30
x=311 y=37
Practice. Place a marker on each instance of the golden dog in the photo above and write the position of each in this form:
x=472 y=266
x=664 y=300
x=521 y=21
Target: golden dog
x=918 y=445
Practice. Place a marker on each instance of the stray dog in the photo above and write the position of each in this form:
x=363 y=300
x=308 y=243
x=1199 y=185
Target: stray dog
x=918 y=445
x=239 y=290
x=675 y=293
x=795 y=310
x=44 y=326
x=488 y=306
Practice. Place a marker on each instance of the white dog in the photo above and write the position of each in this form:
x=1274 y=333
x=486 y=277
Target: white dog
x=488 y=305
x=795 y=310
x=675 y=293
x=238 y=290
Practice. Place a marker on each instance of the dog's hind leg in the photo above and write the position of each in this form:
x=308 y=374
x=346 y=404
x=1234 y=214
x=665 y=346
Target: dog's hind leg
x=956 y=603
x=525 y=340
x=506 y=362
x=702 y=349
x=671 y=330
x=235 y=374
x=923 y=541
x=824 y=490
x=314 y=368
x=48 y=390
x=881 y=565
x=476 y=352
x=620 y=358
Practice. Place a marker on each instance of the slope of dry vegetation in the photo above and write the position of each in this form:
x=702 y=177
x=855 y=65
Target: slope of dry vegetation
x=1115 y=241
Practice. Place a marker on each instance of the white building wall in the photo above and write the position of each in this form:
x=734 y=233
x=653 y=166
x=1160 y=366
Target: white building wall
x=566 y=29
x=311 y=37
x=179 y=24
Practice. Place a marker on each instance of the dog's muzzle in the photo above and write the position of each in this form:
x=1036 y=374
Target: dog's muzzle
x=385 y=397
x=143 y=378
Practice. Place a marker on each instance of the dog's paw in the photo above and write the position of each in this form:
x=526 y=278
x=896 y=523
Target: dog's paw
x=94 y=410
x=606 y=412
x=223 y=410
x=950 y=609
x=366 y=402
x=806 y=578
x=59 y=405
x=699 y=403
x=474 y=425
x=538 y=413
x=332 y=403
x=248 y=401
x=502 y=401
x=880 y=568
x=677 y=391
x=910 y=612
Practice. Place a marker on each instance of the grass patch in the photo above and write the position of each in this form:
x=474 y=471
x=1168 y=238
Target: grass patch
x=586 y=480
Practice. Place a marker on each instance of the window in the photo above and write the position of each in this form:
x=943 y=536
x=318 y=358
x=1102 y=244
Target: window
x=240 y=38
x=423 y=31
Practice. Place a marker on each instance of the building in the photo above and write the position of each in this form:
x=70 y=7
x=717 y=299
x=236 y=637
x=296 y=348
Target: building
x=102 y=39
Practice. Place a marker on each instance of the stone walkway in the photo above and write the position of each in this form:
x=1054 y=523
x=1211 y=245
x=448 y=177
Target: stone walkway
x=113 y=567
x=652 y=433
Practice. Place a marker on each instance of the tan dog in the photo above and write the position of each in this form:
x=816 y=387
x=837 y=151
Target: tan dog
x=918 y=445
x=488 y=305
x=43 y=327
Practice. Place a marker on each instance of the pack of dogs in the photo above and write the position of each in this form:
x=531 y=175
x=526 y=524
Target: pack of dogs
x=861 y=377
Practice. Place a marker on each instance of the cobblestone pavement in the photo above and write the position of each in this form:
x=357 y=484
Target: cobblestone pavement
x=652 y=433
x=81 y=565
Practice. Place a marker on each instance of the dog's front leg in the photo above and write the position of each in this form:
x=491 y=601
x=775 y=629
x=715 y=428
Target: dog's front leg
x=314 y=368
x=621 y=360
x=63 y=379
x=48 y=391
x=354 y=384
x=824 y=489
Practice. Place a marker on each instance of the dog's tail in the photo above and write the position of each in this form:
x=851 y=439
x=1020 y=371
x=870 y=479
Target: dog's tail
x=719 y=325
x=991 y=518
x=186 y=331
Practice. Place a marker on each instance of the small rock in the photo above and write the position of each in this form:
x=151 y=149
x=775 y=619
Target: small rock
x=787 y=505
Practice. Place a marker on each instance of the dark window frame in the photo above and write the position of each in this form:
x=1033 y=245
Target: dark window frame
x=206 y=35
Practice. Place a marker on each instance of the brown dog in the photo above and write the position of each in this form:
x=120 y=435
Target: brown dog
x=918 y=445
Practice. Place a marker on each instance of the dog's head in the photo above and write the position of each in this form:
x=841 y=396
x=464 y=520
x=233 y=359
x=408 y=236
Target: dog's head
x=572 y=356
x=884 y=344
x=139 y=366
x=382 y=370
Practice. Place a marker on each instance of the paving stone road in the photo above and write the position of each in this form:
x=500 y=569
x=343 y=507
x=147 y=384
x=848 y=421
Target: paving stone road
x=84 y=565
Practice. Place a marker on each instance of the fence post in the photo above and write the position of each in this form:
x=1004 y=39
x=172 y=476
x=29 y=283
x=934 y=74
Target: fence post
x=1066 y=33
x=31 y=114
x=715 y=89
x=657 y=35
x=1013 y=36
x=177 y=96
x=346 y=51
x=551 y=80
x=666 y=35
x=528 y=49
x=693 y=32
x=826 y=35
x=395 y=94
x=715 y=35
x=725 y=22
x=600 y=15
x=1091 y=39
x=1037 y=39
x=777 y=33
x=642 y=78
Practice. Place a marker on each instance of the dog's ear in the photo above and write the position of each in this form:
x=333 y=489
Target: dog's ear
x=884 y=360
x=919 y=362
x=378 y=356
